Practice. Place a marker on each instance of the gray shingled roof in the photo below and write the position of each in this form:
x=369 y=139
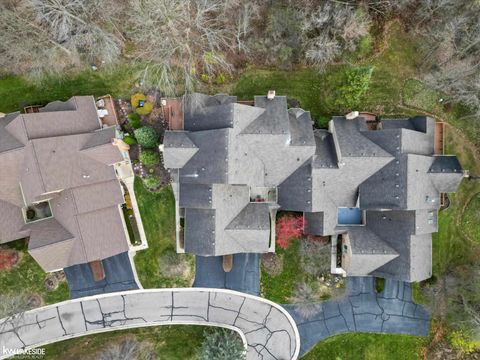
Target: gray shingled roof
x=315 y=172
x=210 y=163
x=314 y=223
x=195 y=196
x=274 y=121
x=397 y=229
x=254 y=216
x=178 y=149
x=199 y=232
x=369 y=252
x=351 y=140
x=295 y=192
x=203 y=112
x=301 y=133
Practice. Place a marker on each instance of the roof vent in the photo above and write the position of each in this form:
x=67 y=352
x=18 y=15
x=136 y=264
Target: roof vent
x=352 y=115
x=271 y=94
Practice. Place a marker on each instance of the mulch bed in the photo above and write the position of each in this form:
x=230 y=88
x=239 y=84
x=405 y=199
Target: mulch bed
x=155 y=120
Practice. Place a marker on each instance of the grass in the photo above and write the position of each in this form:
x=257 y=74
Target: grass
x=280 y=288
x=28 y=277
x=158 y=216
x=452 y=245
x=365 y=346
x=169 y=342
x=471 y=218
x=17 y=92
x=316 y=92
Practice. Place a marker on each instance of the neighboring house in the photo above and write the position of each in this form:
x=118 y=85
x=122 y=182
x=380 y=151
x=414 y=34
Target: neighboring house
x=376 y=192
x=60 y=184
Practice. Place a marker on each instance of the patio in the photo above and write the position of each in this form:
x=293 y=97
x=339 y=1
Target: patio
x=106 y=103
x=173 y=113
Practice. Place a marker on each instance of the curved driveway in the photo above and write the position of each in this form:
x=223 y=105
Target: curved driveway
x=267 y=330
x=362 y=309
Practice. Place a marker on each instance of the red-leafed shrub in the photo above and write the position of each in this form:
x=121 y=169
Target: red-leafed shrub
x=288 y=228
x=8 y=258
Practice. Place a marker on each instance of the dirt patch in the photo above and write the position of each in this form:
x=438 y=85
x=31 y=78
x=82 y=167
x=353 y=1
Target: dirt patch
x=53 y=280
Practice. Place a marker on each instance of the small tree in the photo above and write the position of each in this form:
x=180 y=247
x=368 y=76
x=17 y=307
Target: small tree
x=356 y=84
x=136 y=98
x=146 y=136
x=222 y=344
x=130 y=140
x=135 y=120
x=152 y=182
x=150 y=158
x=288 y=228
x=306 y=300
x=145 y=109
x=315 y=257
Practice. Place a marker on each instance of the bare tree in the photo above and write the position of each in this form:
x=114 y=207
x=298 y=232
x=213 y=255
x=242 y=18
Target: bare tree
x=48 y=36
x=129 y=349
x=306 y=300
x=332 y=28
x=182 y=39
x=72 y=23
x=26 y=46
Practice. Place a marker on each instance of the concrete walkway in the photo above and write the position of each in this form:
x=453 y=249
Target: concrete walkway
x=267 y=330
x=244 y=276
x=363 y=310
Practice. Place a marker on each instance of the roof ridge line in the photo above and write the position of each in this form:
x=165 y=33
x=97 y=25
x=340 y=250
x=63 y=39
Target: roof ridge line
x=38 y=166
x=78 y=225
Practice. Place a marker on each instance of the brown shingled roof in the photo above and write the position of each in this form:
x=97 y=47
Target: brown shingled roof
x=62 y=149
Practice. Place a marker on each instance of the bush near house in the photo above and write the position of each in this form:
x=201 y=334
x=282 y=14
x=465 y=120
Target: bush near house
x=8 y=258
x=356 y=84
x=130 y=140
x=136 y=98
x=145 y=109
x=288 y=228
x=152 y=182
x=222 y=344
x=146 y=136
x=135 y=120
x=150 y=158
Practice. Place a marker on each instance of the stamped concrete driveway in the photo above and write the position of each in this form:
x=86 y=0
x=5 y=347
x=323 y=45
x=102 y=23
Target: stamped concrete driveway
x=362 y=309
x=267 y=330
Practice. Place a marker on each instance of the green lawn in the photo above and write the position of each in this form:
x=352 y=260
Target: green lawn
x=168 y=342
x=28 y=277
x=158 y=216
x=364 y=346
x=280 y=288
x=16 y=91
x=458 y=230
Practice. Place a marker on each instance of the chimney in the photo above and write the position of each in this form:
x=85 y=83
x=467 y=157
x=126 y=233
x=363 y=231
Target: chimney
x=120 y=144
x=352 y=115
x=271 y=94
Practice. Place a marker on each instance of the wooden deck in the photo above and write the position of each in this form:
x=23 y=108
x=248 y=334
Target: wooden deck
x=439 y=146
x=370 y=118
x=112 y=117
x=32 y=109
x=173 y=112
